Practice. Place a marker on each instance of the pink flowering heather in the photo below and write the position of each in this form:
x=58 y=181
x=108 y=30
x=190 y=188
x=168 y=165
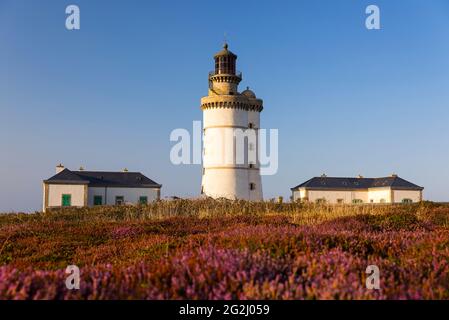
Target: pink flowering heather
x=284 y=252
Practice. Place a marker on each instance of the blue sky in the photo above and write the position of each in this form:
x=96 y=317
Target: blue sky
x=346 y=100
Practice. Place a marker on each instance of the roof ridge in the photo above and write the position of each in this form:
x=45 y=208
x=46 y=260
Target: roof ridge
x=80 y=171
x=327 y=177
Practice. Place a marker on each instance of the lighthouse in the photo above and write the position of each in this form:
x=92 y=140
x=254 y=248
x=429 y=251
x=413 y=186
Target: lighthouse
x=231 y=123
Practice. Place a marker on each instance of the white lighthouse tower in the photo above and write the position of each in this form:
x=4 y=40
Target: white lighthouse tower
x=227 y=116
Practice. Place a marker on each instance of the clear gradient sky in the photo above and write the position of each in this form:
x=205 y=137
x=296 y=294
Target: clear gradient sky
x=346 y=100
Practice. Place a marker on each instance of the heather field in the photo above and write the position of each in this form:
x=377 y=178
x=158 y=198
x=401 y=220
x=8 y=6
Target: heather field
x=208 y=249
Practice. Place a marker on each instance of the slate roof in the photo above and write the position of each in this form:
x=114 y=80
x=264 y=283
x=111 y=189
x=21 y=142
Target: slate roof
x=394 y=182
x=103 y=179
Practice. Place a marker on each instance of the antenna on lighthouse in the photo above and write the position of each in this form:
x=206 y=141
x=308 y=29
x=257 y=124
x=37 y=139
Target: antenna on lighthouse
x=225 y=39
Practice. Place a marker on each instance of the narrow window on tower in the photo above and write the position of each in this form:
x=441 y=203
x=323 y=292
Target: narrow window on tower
x=251 y=125
x=252 y=186
x=251 y=165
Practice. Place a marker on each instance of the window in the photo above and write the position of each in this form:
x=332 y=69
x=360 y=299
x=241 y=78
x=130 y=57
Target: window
x=204 y=171
x=202 y=190
x=251 y=165
x=383 y=201
x=251 y=125
x=407 y=201
x=217 y=66
x=143 y=200
x=66 y=200
x=356 y=201
x=252 y=186
x=225 y=64
x=340 y=201
x=372 y=201
x=98 y=200
x=321 y=200
x=119 y=200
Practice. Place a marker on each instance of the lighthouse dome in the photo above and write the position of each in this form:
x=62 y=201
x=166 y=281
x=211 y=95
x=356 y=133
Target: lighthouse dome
x=249 y=93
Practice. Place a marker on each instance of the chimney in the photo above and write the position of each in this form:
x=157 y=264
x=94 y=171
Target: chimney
x=394 y=175
x=81 y=168
x=360 y=176
x=59 y=168
x=125 y=170
x=323 y=175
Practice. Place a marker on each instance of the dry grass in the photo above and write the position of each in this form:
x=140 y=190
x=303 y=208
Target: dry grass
x=208 y=208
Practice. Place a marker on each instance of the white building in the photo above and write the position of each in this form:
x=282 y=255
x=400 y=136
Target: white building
x=90 y=188
x=331 y=190
x=229 y=118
